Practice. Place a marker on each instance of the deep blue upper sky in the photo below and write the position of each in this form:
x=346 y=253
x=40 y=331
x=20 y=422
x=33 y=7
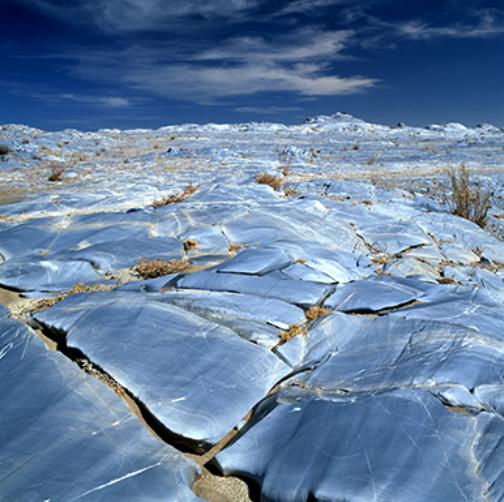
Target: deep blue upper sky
x=146 y=63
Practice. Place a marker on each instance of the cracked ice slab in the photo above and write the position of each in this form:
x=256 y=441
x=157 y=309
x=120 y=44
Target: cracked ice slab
x=394 y=237
x=252 y=317
x=66 y=436
x=38 y=273
x=466 y=306
x=398 y=445
x=373 y=295
x=302 y=293
x=256 y=261
x=197 y=377
x=390 y=351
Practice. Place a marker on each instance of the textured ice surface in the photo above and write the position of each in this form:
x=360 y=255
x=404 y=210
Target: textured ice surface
x=395 y=445
x=65 y=436
x=373 y=295
x=393 y=391
x=199 y=378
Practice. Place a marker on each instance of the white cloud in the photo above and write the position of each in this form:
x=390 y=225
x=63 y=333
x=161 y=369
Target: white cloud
x=105 y=101
x=304 y=44
x=137 y=15
x=301 y=63
x=309 y=6
x=487 y=24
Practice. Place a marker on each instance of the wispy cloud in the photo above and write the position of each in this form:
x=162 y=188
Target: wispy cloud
x=486 y=24
x=309 y=6
x=301 y=62
x=305 y=44
x=43 y=93
x=138 y=15
x=102 y=101
x=211 y=63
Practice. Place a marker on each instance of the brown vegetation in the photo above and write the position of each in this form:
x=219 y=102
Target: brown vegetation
x=233 y=247
x=293 y=331
x=467 y=199
x=159 y=267
x=268 y=179
x=315 y=312
x=290 y=192
x=56 y=173
x=446 y=280
x=80 y=287
x=176 y=198
x=190 y=244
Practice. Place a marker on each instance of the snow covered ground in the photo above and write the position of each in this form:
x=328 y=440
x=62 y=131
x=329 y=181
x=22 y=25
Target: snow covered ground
x=344 y=327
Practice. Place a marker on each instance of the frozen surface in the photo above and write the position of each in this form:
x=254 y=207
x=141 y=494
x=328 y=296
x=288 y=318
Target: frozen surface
x=65 y=436
x=343 y=322
x=199 y=378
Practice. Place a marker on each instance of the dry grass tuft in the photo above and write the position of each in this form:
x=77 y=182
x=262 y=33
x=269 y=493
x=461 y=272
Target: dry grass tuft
x=293 y=331
x=290 y=192
x=467 y=199
x=80 y=287
x=316 y=312
x=233 y=247
x=380 y=259
x=190 y=244
x=159 y=267
x=446 y=280
x=174 y=199
x=268 y=179
x=56 y=173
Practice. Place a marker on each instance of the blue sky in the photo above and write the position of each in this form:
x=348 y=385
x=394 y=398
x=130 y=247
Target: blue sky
x=147 y=63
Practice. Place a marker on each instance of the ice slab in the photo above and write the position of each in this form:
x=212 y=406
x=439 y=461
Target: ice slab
x=377 y=446
x=303 y=293
x=66 y=436
x=373 y=295
x=197 y=377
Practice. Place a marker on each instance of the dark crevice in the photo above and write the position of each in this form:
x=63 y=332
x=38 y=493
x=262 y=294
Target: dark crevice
x=201 y=452
x=183 y=444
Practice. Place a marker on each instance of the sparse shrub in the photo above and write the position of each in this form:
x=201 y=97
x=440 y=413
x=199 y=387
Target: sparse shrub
x=290 y=192
x=268 y=179
x=190 y=244
x=286 y=170
x=468 y=199
x=315 y=312
x=356 y=147
x=293 y=331
x=80 y=287
x=446 y=280
x=25 y=141
x=233 y=247
x=56 y=173
x=159 y=267
x=4 y=150
x=174 y=199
